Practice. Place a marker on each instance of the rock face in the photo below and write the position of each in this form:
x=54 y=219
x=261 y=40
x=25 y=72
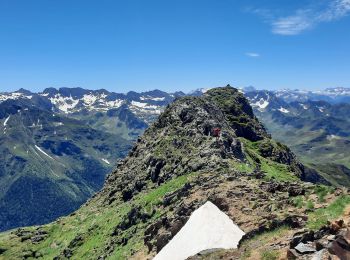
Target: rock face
x=207 y=228
x=238 y=113
x=330 y=241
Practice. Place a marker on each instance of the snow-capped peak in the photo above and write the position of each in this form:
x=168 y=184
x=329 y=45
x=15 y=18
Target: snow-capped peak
x=13 y=96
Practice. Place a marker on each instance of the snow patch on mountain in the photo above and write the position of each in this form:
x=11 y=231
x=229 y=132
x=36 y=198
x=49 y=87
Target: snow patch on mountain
x=99 y=102
x=303 y=106
x=321 y=109
x=261 y=104
x=43 y=152
x=105 y=160
x=145 y=107
x=13 y=96
x=207 y=228
x=89 y=99
x=283 y=110
x=6 y=120
x=333 y=137
x=139 y=104
x=115 y=104
x=57 y=124
x=65 y=104
x=152 y=98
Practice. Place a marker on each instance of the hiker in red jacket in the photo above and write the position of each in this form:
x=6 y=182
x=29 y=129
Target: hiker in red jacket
x=216 y=133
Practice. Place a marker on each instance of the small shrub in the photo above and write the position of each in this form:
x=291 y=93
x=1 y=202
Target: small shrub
x=269 y=255
x=321 y=192
x=298 y=202
x=310 y=205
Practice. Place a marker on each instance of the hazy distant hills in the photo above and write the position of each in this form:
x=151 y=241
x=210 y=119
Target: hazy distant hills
x=330 y=95
x=58 y=145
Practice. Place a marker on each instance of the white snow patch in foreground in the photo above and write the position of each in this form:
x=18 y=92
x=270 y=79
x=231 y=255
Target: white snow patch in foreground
x=43 y=152
x=207 y=228
x=105 y=160
x=6 y=120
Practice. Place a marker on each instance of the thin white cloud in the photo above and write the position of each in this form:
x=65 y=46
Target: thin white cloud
x=295 y=24
x=253 y=54
x=307 y=18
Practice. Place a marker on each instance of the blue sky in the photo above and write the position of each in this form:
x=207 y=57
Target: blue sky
x=174 y=44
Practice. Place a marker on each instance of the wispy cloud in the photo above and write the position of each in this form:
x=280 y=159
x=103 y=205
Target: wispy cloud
x=295 y=24
x=252 y=54
x=307 y=18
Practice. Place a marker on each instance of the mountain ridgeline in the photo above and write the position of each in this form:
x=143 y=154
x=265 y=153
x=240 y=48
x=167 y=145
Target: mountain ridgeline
x=173 y=169
x=58 y=145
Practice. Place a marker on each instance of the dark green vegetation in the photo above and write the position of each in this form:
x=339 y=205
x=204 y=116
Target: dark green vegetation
x=49 y=164
x=175 y=167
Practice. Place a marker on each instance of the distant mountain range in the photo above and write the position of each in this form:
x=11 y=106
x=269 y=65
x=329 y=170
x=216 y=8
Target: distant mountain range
x=77 y=100
x=58 y=145
x=149 y=104
x=330 y=95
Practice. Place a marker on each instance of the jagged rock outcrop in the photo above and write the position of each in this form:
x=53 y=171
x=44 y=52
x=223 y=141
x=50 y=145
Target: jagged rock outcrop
x=181 y=141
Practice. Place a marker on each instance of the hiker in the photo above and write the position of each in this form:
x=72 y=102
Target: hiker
x=216 y=133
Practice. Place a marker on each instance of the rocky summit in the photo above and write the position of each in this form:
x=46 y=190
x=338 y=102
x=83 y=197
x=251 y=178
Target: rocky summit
x=200 y=149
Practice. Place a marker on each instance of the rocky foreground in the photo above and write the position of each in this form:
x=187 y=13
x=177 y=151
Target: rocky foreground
x=175 y=168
